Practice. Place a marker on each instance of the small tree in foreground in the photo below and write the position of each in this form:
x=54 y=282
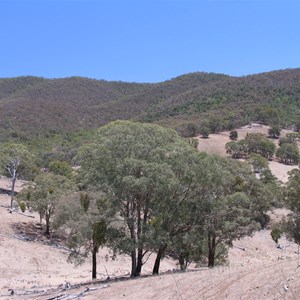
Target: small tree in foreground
x=84 y=217
x=45 y=194
x=231 y=199
x=16 y=162
x=291 y=225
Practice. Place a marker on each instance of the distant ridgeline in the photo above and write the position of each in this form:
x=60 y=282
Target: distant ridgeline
x=32 y=108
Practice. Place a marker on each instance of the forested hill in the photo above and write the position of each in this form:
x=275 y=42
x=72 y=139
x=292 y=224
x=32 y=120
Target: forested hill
x=31 y=106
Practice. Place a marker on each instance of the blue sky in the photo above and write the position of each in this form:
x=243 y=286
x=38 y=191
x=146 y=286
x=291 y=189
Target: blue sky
x=147 y=41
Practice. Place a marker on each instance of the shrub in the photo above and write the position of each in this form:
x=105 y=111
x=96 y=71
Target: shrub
x=276 y=234
x=204 y=131
x=233 y=135
x=22 y=206
x=274 y=132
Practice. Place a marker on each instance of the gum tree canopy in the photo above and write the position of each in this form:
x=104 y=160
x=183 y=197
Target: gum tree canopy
x=129 y=162
x=160 y=190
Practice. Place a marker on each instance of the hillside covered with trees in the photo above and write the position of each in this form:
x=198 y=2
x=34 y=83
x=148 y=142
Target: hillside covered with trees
x=32 y=106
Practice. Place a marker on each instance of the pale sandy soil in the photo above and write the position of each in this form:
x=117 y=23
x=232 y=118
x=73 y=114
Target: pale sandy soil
x=6 y=184
x=32 y=265
x=215 y=144
x=257 y=269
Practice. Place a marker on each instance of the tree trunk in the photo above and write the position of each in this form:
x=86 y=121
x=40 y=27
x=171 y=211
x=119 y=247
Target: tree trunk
x=211 y=250
x=94 y=262
x=133 y=263
x=182 y=262
x=13 y=183
x=139 y=265
x=159 y=255
x=47 y=219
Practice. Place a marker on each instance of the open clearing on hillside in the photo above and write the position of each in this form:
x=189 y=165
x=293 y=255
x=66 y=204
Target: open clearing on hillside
x=215 y=144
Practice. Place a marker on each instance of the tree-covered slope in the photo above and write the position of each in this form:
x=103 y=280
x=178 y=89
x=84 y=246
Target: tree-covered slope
x=32 y=106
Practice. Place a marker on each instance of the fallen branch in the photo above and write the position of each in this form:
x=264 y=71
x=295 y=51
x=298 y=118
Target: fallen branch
x=77 y=295
x=14 y=210
x=19 y=237
x=241 y=248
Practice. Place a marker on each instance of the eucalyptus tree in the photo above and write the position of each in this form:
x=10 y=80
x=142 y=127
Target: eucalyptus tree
x=274 y=132
x=288 y=153
x=291 y=225
x=230 y=202
x=84 y=217
x=258 y=162
x=44 y=194
x=174 y=218
x=58 y=167
x=16 y=162
x=129 y=162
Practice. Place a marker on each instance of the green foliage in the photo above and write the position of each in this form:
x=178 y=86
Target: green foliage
x=16 y=162
x=236 y=149
x=267 y=115
x=288 y=154
x=293 y=137
x=193 y=142
x=45 y=194
x=22 y=206
x=291 y=225
x=258 y=162
x=162 y=192
x=276 y=234
x=274 y=132
x=232 y=199
x=187 y=130
x=292 y=190
x=84 y=201
x=297 y=126
x=204 y=131
x=60 y=168
x=215 y=124
x=34 y=109
x=85 y=218
x=256 y=143
x=130 y=162
x=233 y=135
x=259 y=144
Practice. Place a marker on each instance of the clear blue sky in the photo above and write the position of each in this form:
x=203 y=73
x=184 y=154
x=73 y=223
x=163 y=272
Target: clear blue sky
x=147 y=41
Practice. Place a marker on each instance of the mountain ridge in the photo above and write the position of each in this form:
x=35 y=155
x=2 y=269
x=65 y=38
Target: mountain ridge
x=32 y=105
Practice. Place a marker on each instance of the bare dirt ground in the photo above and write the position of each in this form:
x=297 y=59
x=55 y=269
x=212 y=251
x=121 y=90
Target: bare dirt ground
x=38 y=265
x=215 y=144
x=257 y=268
x=6 y=184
